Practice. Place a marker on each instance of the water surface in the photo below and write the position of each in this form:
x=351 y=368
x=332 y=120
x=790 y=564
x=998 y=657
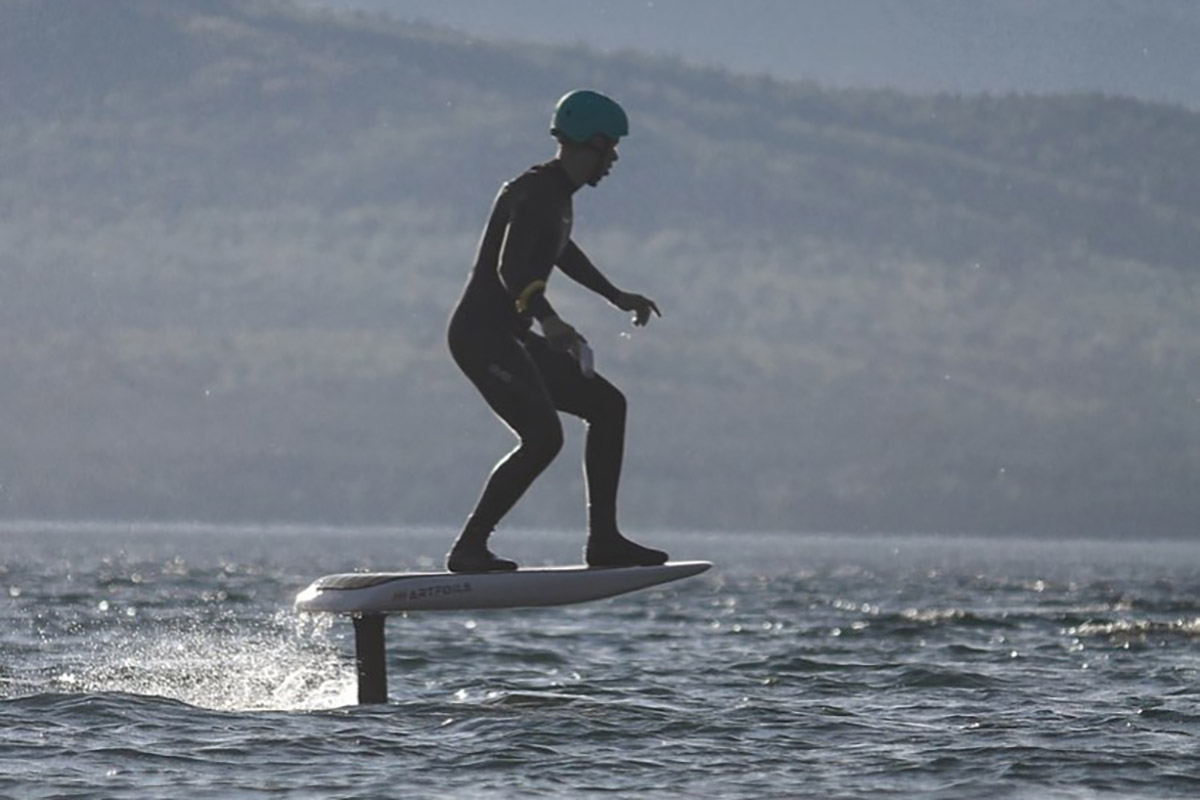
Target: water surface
x=155 y=661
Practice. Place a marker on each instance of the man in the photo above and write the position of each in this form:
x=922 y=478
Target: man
x=528 y=378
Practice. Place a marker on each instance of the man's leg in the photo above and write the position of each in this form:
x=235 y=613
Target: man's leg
x=602 y=406
x=512 y=386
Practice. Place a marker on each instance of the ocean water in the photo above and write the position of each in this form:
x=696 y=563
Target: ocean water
x=160 y=661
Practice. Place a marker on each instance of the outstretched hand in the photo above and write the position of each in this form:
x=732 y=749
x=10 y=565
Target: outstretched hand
x=640 y=305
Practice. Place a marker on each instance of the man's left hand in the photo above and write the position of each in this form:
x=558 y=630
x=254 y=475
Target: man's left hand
x=640 y=305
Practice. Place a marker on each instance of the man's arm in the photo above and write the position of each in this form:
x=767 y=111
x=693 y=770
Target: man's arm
x=575 y=264
x=526 y=258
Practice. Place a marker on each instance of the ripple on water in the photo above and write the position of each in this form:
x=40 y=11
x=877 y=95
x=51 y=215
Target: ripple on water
x=803 y=666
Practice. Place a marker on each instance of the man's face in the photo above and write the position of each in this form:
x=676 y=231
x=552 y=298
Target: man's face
x=606 y=156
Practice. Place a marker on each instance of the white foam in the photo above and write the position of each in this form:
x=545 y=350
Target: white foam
x=290 y=664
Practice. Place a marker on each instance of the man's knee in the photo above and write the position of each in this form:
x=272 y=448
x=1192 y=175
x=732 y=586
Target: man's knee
x=545 y=442
x=610 y=405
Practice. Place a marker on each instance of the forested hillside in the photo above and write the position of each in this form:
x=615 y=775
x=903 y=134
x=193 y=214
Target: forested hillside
x=232 y=233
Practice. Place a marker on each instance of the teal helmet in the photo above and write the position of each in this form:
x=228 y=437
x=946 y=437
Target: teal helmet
x=583 y=114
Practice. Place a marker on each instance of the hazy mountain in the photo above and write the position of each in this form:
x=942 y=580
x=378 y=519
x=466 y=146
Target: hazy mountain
x=1143 y=48
x=232 y=234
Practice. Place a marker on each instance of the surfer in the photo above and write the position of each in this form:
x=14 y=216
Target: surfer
x=527 y=378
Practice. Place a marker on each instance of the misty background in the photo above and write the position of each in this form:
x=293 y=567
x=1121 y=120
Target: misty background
x=902 y=290
x=1141 y=48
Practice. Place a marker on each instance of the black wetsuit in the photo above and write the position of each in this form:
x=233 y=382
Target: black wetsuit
x=523 y=380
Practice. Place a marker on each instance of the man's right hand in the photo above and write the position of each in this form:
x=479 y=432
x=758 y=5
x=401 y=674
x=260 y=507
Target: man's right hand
x=561 y=336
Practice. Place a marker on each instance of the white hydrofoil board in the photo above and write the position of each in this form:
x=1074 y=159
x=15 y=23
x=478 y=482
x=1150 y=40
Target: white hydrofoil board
x=395 y=592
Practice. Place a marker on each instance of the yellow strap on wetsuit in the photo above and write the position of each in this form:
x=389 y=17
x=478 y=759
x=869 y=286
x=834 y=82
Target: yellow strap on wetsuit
x=527 y=294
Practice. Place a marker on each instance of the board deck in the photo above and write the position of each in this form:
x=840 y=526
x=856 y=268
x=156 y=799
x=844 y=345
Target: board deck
x=397 y=592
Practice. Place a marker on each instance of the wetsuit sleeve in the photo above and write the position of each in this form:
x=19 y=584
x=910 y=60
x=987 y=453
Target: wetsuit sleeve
x=576 y=265
x=527 y=256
